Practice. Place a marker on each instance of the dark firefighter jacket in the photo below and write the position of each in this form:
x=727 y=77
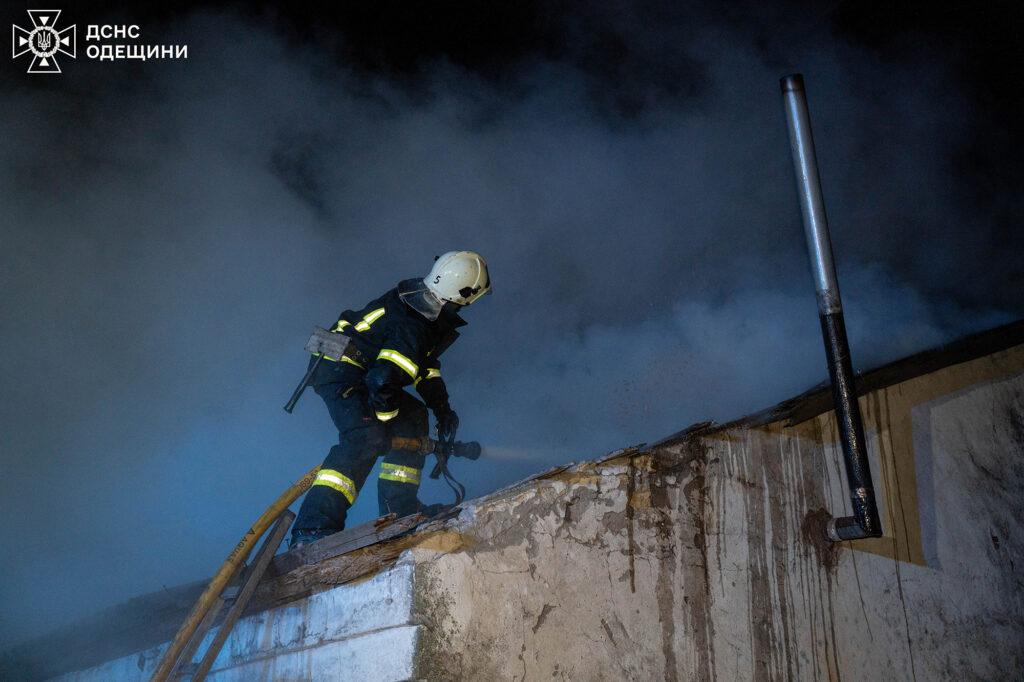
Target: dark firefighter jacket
x=394 y=346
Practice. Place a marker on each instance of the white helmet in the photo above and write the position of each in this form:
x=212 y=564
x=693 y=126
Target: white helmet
x=459 y=276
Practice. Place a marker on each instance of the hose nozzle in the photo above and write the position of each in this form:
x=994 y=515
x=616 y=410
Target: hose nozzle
x=468 y=450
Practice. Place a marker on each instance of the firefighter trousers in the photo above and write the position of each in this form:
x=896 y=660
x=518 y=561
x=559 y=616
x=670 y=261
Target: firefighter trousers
x=362 y=438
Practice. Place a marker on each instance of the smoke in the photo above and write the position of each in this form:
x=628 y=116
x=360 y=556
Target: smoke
x=172 y=231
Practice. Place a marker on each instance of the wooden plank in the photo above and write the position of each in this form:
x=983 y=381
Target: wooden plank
x=183 y=667
x=384 y=528
x=303 y=555
x=394 y=529
x=252 y=578
x=306 y=580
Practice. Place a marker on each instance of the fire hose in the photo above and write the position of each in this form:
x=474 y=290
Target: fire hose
x=241 y=551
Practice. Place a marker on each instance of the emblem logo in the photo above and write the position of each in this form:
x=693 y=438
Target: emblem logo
x=43 y=40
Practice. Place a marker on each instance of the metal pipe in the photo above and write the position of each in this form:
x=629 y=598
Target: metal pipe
x=864 y=523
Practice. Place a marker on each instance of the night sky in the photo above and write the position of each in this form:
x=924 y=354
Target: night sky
x=171 y=231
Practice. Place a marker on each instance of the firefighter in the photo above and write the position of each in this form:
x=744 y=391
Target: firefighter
x=396 y=341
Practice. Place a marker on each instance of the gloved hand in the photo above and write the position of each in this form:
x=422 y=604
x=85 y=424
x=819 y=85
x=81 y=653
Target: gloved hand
x=447 y=424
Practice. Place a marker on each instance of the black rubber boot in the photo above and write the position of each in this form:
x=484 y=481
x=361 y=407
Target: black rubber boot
x=304 y=537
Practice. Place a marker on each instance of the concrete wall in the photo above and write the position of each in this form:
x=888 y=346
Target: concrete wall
x=362 y=631
x=704 y=560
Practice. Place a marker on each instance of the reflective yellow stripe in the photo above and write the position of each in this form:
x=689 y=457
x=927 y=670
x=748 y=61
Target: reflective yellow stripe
x=385 y=416
x=432 y=373
x=405 y=363
x=338 y=481
x=369 y=319
x=341 y=324
x=397 y=472
x=345 y=358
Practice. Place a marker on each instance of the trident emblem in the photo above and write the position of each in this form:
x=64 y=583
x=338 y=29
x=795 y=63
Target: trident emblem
x=43 y=41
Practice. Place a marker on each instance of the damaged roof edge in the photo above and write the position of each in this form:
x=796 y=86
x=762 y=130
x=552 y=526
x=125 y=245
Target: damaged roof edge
x=818 y=400
x=154 y=618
